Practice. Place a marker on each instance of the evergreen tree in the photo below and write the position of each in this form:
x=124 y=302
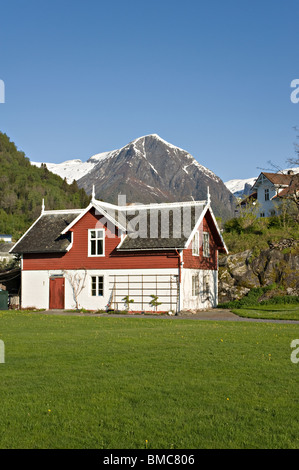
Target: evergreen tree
x=23 y=186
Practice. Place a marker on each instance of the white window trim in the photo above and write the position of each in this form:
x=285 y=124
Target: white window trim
x=97 y=285
x=206 y=287
x=195 y=285
x=195 y=244
x=208 y=254
x=89 y=242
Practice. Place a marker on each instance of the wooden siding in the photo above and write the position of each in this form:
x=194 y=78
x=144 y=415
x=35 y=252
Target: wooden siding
x=201 y=262
x=78 y=258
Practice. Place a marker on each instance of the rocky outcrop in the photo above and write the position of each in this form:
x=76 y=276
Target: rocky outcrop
x=279 y=264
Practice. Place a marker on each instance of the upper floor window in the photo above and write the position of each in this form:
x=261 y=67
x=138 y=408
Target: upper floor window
x=195 y=244
x=267 y=197
x=96 y=242
x=206 y=245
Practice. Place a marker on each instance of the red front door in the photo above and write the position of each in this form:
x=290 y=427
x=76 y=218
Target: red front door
x=56 y=293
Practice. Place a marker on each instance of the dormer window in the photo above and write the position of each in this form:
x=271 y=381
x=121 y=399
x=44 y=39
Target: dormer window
x=206 y=245
x=96 y=242
x=195 y=244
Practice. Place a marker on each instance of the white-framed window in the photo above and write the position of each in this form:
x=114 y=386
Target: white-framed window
x=97 y=286
x=267 y=196
x=96 y=242
x=195 y=285
x=195 y=244
x=206 y=245
x=206 y=286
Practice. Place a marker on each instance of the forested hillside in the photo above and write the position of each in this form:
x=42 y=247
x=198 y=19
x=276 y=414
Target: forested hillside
x=23 y=186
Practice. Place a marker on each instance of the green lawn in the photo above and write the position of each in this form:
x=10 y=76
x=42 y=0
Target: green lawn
x=127 y=383
x=270 y=312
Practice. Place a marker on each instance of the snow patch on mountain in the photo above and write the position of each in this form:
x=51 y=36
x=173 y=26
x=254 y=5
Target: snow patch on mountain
x=76 y=169
x=70 y=169
x=237 y=186
x=99 y=157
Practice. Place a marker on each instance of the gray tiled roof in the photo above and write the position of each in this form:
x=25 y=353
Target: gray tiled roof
x=164 y=228
x=45 y=235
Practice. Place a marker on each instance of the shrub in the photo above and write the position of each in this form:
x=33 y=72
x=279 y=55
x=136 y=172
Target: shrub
x=252 y=299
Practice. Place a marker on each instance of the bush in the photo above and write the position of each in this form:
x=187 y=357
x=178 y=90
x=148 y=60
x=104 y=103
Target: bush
x=281 y=299
x=252 y=299
x=258 y=235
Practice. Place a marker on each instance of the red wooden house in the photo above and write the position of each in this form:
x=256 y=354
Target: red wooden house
x=115 y=256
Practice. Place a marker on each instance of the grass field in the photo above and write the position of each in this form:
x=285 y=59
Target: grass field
x=136 y=383
x=270 y=312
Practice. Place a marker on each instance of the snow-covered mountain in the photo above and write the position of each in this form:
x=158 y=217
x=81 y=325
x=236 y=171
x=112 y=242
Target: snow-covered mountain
x=240 y=187
x=148 y=169
x=75 y=169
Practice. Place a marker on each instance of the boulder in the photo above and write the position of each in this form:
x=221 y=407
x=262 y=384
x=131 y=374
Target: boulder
x=240 y=272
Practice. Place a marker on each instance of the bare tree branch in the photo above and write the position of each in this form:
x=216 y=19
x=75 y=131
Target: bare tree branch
x=77 y=283
x=294 y=161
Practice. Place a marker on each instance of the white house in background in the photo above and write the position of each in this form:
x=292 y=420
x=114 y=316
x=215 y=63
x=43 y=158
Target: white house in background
x=5 y=256
x=5 y=238
x=270 y=189
x=5 y=246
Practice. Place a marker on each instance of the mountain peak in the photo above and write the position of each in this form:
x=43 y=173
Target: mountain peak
x=149 y=169
x=155 y=138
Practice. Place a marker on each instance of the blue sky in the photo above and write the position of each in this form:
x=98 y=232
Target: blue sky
x=212 y=77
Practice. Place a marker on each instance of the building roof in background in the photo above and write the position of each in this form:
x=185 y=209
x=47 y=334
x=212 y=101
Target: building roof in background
x=278 y=179
x=291 y=189
x=5 y=247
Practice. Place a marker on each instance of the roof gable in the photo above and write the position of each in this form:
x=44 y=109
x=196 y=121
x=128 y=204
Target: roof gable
x=166 y=226
x=100 y=210
x=211 y=221
x=278 y=179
